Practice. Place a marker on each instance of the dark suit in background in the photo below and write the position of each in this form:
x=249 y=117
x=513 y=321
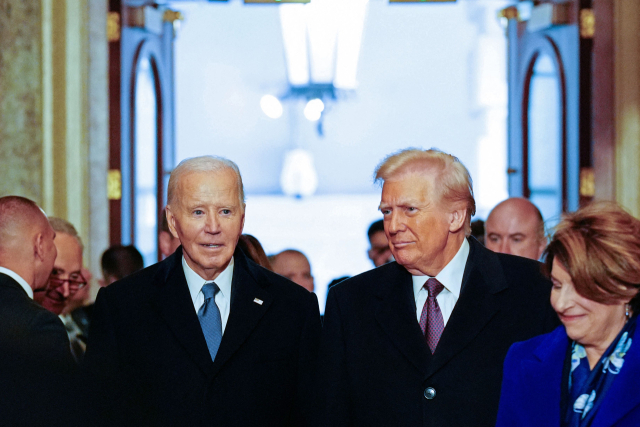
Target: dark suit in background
x=378 y=370
x=35 y=361
x=149 y=363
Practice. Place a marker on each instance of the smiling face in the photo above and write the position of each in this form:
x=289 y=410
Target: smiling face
x=208 y=218
x=68 y=265
x=591 y=324
x=423 y=233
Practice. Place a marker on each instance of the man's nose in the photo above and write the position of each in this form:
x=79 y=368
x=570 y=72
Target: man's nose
x=394 y=223
x=212 y=224
x=64 y=289
x=505 y=247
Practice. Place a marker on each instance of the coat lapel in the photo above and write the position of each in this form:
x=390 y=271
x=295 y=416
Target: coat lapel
x=173 y=302
x=245 y=311
x=396 y=315
x=542 y=377
x=482 y=279
x=623 y=395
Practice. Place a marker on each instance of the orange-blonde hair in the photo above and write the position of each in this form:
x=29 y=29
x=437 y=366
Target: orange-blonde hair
x=452 y=182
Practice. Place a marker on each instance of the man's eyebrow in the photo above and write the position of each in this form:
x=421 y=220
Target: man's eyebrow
x=518 y=234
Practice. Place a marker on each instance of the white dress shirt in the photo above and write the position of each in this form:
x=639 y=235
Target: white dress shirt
x=15 y=276
x=451 y=279
x=222 y=298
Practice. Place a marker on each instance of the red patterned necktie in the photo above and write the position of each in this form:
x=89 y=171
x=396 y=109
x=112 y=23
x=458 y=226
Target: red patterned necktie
x=431 y=320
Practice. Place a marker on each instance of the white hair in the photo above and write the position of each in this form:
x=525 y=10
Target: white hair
x=202 y=164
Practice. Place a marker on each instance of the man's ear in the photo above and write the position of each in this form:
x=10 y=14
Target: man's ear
x=171 y=221
x=38 y=247
x=457 y=219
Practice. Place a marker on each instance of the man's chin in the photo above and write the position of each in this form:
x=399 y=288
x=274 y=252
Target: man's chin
x=55 y=307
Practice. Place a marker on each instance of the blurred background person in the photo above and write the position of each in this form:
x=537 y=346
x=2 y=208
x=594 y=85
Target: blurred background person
x=477 y=230
x=34 y=349
x=253 y=250
x=586 y=372
x=119 y=261
x=295 y=266
x=515 y=226
x=167 y=243
x=379 y=252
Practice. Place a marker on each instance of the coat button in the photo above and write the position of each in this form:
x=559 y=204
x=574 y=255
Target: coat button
x=429 y=393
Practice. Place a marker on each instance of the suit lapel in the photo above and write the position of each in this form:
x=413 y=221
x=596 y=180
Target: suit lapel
x=623 y=395
x=395 y=312
x=483 y=277
x=245 y=311
x=173 y=302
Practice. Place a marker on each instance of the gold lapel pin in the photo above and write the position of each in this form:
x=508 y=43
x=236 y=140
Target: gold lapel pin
x=258 y=301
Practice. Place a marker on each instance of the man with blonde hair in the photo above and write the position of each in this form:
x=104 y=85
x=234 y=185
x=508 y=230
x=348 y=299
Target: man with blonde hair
x=205 y=337
x=421 y=341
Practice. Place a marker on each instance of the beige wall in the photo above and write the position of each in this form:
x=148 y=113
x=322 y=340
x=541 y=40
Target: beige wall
x=627 y=103
x=54 y=111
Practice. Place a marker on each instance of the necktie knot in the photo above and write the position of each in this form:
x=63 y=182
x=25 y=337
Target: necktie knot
x=433 y=287
x=210 y=290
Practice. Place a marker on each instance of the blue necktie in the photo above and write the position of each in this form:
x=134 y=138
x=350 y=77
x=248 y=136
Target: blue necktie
x=209 y=317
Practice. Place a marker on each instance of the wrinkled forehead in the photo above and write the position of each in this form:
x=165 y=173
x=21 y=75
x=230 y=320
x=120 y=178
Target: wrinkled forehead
x=512 y=220
x=69 y=253
x=409 y=186
x=220 y=185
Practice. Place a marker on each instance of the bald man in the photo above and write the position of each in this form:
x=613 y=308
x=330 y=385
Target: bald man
x=515 y=226
x=295 y=266
x=35 y=358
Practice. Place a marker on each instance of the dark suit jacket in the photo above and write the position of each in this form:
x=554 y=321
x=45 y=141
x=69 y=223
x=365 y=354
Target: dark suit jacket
x=35 y=361
x=149 y=363
x=531 y=388
x=376 y=364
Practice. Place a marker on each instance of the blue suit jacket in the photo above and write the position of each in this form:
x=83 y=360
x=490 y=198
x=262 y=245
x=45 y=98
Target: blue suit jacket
x=532 y=379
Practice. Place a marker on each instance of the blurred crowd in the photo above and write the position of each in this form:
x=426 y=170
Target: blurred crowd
x=458 y=323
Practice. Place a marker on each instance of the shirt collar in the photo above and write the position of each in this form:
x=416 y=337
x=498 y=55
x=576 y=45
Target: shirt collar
x=18 y=279
x=451 y=274
x=195 y=282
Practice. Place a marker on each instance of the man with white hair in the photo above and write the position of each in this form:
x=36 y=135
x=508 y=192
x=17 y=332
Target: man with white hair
x=205 y=337
x=421 y=341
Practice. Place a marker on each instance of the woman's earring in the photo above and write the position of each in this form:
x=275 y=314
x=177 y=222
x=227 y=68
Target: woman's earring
x=626 y=308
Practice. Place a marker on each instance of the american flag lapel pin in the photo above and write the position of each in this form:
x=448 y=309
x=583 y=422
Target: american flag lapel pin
x=258 y=301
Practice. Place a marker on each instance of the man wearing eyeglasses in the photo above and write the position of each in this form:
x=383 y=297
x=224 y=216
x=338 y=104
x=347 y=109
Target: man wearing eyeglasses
x=65 y=280
x=66 y=277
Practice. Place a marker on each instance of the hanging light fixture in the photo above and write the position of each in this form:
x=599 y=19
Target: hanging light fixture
x=322 y=42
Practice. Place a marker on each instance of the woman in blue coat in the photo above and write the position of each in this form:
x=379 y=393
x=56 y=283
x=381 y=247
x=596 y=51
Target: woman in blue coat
x=586 y=373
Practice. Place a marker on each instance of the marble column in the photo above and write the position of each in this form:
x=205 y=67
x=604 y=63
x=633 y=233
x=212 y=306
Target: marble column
x=54 y=112
x=21 y=154
x=627 y=103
